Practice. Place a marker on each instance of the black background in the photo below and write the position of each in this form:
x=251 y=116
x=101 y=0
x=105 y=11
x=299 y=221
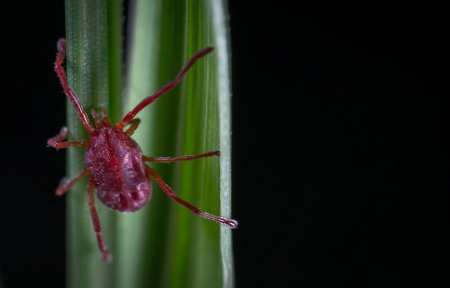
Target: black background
x=340 y=136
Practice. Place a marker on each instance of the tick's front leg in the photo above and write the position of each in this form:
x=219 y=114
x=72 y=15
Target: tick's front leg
x=180 y=158
x=58 y=142
x=73 y=98
x=165 y=89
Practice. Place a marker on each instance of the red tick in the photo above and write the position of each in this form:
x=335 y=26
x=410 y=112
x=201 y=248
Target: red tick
x=115 y=165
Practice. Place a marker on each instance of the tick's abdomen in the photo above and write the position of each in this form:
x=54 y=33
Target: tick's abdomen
x=117 y=169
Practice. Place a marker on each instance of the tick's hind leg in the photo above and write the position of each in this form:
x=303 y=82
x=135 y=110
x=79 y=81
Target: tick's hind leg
x=67 y=184
x=58 y=141
x=106 y=257
x=180 y=158
x=169 y=192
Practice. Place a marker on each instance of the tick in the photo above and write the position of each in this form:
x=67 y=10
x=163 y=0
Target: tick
x=115 y=165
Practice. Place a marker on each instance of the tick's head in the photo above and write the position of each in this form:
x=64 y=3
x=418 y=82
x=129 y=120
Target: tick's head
x=100 y=118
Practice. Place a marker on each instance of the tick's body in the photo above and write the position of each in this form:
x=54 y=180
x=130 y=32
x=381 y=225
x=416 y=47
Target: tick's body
x=115 y=164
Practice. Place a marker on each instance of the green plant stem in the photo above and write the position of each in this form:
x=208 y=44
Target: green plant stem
x=93 y=68
x=162 y=245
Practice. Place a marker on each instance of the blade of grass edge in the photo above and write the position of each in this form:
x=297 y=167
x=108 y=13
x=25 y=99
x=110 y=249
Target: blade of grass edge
x=218 y=10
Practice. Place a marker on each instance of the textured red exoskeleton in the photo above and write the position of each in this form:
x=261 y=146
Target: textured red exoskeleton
x=115 y=165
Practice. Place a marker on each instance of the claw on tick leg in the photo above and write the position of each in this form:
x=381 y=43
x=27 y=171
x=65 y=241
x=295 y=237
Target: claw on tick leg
x=107 y=258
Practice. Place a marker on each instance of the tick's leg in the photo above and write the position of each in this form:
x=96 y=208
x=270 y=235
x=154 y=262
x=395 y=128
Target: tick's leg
x=106 y=257
x=169 y=192
x=67 y=184
x=180 y=158
x=134 y=124
x=67 y=90
x=58 y=142
x=166 y=88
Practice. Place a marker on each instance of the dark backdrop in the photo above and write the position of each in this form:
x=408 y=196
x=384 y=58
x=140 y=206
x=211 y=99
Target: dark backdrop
x=340 y=140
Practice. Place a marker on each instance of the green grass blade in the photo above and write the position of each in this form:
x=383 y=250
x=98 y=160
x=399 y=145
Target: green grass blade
x=219 y=14
x=173 y=247
x=163 y=245
x=93 y=65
